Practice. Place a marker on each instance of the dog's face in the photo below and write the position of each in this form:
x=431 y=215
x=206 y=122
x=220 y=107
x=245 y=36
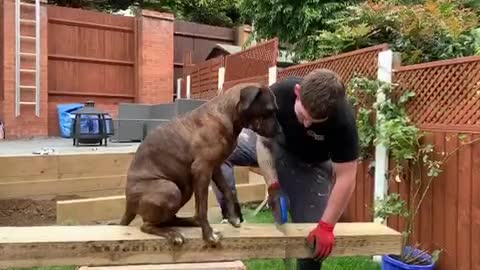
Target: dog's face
x=257 y=108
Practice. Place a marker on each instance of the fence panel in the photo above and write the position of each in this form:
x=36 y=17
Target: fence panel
x=204 y=78
x=252 y=62
x=449 y=218
x=80 y=42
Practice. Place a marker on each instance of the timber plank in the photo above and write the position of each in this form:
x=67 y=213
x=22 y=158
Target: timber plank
x=98 y=245
x=51 y=187
x=85 y=211
x=235 y=265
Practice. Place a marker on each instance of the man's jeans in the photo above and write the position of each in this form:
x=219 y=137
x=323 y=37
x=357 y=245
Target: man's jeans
x=307 y=186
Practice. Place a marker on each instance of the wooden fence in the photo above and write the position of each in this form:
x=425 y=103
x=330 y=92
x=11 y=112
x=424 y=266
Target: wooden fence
x=447 y=107
x=111 y=53
x=198 y=40
x=250 y=65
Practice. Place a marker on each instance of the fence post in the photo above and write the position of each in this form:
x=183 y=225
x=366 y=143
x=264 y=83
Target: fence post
x=188 y=86
x=272 y=75
x=179 y=88
x=221 y=79
x=384 y=73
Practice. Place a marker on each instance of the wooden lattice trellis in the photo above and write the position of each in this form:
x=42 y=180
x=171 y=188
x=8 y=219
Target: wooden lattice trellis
x=252 y=62
x=363 y=62
x=447 y=93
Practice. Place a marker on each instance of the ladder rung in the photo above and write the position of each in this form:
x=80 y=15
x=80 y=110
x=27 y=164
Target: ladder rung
x=28 y=37
x=28 y=103
x=27 y=54
x=27 y=4
x=26 y=21
x=28 y=70
x=28 y=87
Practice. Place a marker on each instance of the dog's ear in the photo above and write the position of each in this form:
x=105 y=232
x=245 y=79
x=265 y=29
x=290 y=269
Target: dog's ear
x=247 y=97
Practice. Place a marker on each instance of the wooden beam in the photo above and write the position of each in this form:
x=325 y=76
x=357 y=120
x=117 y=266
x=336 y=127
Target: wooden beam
x=234 y=265
x=87 y=211
x=70 y=174
x=98 y=245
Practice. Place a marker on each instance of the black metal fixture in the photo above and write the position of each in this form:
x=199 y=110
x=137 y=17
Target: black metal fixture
x=91 y=125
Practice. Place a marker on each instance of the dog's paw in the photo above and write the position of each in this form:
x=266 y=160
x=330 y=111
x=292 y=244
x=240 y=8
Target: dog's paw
x=214 y=238
x=176 y=239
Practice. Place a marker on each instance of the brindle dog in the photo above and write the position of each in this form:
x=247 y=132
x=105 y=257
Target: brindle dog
x=178 y=160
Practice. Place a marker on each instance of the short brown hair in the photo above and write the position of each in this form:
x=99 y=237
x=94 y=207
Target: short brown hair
x=320 y=90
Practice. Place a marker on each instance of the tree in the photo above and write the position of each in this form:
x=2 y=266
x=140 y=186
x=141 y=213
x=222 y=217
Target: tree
x=213 y=12
x=292 y=21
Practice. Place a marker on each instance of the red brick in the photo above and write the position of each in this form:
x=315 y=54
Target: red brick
x=156 y=57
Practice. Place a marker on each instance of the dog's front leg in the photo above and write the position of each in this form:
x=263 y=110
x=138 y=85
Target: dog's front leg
x=202 y=173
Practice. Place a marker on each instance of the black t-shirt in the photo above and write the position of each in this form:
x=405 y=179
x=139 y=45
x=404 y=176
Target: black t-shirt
x=335 y=139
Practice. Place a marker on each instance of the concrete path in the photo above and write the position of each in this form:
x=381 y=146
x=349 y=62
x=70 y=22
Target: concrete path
x=58 y=145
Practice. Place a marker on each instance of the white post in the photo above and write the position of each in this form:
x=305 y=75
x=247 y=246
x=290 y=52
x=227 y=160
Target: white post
x=179 y=88
x=188 y=86
x=272 y=75
x=221 y=79
x=384 y=73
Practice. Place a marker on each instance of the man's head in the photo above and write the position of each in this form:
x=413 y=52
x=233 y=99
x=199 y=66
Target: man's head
x=317 y=95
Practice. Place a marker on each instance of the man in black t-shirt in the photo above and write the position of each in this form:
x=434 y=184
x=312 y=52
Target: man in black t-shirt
x=319 y=141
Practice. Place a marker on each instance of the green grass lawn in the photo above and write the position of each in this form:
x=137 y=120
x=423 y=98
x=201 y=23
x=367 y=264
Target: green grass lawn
x=332 y=263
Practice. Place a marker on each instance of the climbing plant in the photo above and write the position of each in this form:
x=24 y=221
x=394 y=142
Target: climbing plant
x=407 y=149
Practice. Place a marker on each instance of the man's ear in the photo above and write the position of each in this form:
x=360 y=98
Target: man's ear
x=247 y=97
x=297 y=90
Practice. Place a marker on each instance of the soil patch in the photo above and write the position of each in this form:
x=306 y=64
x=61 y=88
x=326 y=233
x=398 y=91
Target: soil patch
x=28 y=212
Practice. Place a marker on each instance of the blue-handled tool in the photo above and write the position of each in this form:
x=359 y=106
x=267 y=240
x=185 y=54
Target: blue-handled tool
x=280 y=213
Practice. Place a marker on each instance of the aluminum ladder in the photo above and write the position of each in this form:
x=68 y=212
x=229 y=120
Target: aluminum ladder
x=20 y=5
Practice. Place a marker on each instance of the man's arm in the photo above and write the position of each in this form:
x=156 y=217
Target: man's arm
x=265 y=159
x=342 y=191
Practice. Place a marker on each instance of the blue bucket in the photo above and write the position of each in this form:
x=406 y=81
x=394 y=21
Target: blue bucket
x=389 y=263
x=66 y=116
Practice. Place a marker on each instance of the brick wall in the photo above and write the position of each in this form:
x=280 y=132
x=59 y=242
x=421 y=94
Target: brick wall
x=155 y=77
x=27 y=124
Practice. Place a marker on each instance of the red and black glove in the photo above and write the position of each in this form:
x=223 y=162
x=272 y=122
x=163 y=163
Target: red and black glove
x=321 y=240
